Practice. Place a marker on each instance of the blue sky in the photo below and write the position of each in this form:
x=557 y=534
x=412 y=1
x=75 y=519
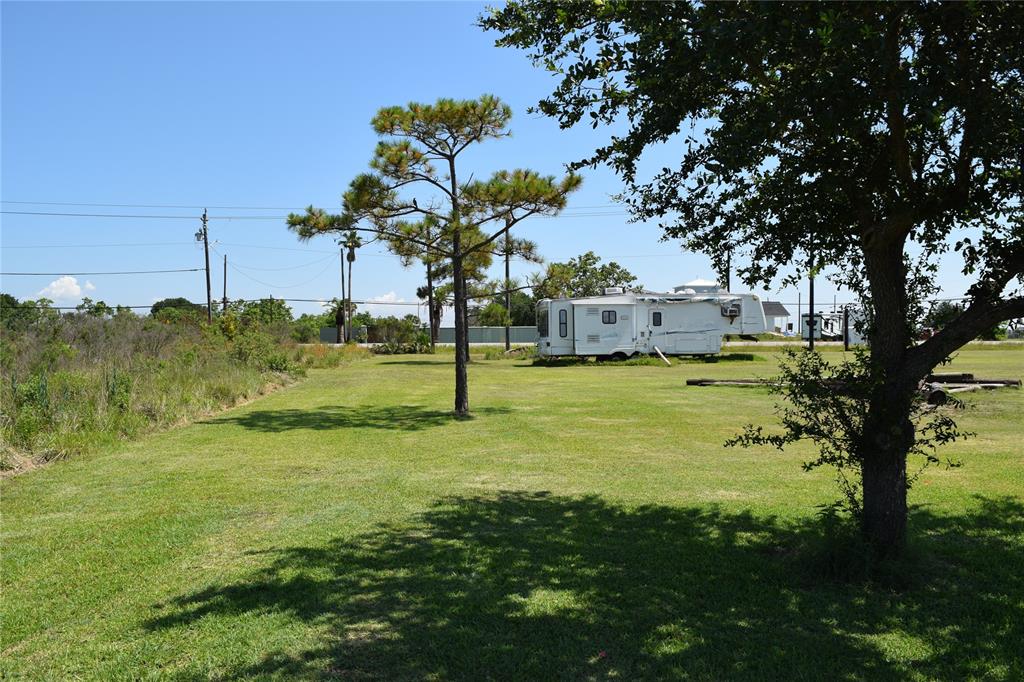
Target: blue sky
x=262 y=105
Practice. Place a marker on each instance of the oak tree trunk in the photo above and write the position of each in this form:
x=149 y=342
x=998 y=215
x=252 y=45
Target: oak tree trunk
x=888 y=432
x=888 y=437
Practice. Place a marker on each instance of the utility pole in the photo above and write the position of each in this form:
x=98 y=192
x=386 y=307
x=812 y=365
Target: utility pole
x=224 y=302
x=202 y=236
x=810 y=315
x=728 y=269
x=810 y=297
x=341 y=261
x=846 y=327
x=351 y=242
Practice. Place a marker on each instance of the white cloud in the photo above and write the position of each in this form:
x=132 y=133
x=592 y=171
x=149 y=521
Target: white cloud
x=390 y=297
x=65 y=288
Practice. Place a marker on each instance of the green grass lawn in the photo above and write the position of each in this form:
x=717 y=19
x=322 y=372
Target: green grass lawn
x=587 y=523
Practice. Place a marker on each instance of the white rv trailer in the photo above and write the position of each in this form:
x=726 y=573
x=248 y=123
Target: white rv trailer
x=833 y=326
x=624 y=324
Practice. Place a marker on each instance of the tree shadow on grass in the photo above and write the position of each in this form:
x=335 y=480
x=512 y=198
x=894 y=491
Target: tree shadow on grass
x=535 y=586
x=331 y=417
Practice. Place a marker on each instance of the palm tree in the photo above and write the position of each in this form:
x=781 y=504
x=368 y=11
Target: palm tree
x=318 y=221
x=351 y=242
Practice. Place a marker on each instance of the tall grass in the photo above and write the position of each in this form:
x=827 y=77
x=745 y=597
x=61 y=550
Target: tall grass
x=74 y=383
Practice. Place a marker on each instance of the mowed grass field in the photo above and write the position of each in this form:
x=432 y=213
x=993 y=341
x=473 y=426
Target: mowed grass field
x=586 y=524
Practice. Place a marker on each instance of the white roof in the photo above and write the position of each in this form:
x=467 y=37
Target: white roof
x=700 y=285
x=629 y=299
x=614 y=299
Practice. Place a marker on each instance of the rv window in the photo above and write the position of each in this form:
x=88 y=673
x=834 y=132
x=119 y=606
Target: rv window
x=563 y=323
x=542 y=322
x=608 y=316
x=656 y=319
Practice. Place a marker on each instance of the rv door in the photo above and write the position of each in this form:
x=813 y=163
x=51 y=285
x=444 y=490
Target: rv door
x=656 y=330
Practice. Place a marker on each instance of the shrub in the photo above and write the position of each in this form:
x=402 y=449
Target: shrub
x=321 y=356
x=261 y=351
x=517 y=353
x=74 y=382
x=402 y=337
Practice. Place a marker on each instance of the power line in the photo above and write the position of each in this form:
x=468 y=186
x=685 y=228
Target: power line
x=102 y=215
x=192 y=243
x=91 y=246
x=281 y=286
x=263 y=246
x=290 y=267
x=200 y=206
x=283 y=248
x=126 y=272
x=137 y=216
x=234 y=300
x=195 y=206
x=320 y=300
x=292 y=248
x=594 y=214
x=356 y=301
x=591 y=214
x=23 y=306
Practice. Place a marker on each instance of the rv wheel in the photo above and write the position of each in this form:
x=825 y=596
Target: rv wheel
x=619 y=356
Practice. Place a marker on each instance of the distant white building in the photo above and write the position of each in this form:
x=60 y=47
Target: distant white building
x=776 y=315
x=699 y=286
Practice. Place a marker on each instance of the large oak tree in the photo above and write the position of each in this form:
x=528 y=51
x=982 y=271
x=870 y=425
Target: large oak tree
x=870 y=137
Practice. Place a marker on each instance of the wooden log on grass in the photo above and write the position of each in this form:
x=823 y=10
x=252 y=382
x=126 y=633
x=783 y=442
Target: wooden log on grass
x=968 y=379
x=725 y=382
x=957 y=378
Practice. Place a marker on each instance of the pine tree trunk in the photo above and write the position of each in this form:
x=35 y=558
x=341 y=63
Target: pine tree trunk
x=459 y=294
x=508 y=295
x=461 y=338
x=438 y=314
x=465 y=319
